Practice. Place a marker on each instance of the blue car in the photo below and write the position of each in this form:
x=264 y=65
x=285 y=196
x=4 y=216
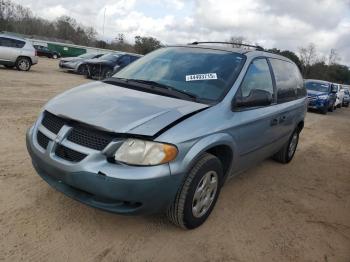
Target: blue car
x=167 y=131
x=322 y=95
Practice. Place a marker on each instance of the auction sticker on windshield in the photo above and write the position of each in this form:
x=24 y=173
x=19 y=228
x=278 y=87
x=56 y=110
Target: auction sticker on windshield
x=209 y=76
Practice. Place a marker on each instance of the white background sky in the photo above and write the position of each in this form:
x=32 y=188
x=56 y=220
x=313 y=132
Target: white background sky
x=284 y=24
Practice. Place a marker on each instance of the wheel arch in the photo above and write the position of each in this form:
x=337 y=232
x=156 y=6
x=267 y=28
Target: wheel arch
x=24 y=56
x=300 y=126
x=220 y=145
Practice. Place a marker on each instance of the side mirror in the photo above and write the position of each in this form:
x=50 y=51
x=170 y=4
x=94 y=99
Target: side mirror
x=257 y=97
x=334 y=89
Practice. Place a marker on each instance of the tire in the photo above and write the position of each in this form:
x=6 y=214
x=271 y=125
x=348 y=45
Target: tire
x=23 y=64
x=184 y=210
x=331 y=108
x=324 y=111
x=107 y=73
x=286 y=153
x=54 y=56
x=82 y=70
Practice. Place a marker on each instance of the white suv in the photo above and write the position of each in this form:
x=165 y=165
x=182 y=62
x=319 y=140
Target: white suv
x=17 y=52
x=340 y=96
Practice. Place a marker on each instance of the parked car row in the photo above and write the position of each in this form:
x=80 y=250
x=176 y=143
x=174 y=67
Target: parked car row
x=98 y=66
x=326 y=97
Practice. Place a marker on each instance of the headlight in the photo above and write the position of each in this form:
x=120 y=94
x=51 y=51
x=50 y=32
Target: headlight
x=322 y=97
x=145 y=153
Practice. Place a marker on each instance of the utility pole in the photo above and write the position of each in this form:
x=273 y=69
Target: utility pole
x=103 y=28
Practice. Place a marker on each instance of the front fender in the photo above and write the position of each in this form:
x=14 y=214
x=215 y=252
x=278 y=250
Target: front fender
x=186 y=160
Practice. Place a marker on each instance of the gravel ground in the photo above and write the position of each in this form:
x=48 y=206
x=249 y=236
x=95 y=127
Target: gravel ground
x=273 y=212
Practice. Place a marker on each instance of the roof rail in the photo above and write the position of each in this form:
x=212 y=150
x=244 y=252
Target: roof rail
x=258 y=48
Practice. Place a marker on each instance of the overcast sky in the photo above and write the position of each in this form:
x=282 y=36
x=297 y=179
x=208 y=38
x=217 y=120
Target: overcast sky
x=284 y=24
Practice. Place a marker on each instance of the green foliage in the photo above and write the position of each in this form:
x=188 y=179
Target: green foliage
x=144 y=45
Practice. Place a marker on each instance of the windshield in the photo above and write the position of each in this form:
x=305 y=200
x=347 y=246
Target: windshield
x=207 y=74
x=110 y=56
x=315 y=86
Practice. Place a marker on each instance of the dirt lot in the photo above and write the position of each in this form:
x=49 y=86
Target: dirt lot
x=274 y=212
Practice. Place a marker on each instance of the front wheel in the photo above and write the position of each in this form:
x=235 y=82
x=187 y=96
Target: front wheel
x=107 y=73
x=23 y=64
x=197 y=197
x=286 y=154
x=54 y=56
x=324 y=110
x=82 y=70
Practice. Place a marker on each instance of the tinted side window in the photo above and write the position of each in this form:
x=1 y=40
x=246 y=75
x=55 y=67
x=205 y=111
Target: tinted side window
x=258 y=76
x=5 y=42
x=124 y=60
x=288 y=81
x=13 y=43
x=133 y=58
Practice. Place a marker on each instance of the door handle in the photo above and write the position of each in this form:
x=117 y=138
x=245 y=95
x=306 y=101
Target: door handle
x=274 y=122
x=282 y=119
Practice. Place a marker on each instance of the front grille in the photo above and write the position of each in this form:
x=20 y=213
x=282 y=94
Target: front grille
x=43 y=141
x=90 y=138
x=52 y=122
x=69 y=154
x=80 y=134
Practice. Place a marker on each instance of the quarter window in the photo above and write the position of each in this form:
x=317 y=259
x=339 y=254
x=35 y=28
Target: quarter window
x=289 y=81
x=258 y=76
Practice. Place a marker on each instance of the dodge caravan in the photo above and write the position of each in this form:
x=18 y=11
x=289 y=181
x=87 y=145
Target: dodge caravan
x=167 y=131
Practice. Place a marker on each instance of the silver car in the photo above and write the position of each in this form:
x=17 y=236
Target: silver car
x=17 y=52
x=77 y=64
x=167 y=131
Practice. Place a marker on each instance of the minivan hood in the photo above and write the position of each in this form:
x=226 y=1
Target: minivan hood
x=120 y=110
x=316 y=93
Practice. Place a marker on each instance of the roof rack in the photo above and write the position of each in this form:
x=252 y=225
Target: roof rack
x=258 y=48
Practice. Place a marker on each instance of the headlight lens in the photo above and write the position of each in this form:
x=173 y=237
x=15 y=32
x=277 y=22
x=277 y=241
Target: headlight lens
x=323 y=97
x=145 y=153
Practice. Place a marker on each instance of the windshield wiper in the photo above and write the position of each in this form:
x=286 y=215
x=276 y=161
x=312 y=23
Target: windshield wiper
x=167 y=87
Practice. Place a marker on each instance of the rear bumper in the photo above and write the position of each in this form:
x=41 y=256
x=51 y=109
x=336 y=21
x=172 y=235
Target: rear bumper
x=152 y=193
x=34 y=60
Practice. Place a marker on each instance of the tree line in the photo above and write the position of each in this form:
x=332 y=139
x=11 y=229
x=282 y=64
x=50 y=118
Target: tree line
x=16 y=18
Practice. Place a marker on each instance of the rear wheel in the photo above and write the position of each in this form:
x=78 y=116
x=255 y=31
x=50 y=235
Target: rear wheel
x=286 y=154
x=54 y=56
x=198 y=195
x=23 y=64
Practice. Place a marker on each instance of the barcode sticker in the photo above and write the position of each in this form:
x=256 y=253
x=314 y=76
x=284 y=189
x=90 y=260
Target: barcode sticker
x=199 y=77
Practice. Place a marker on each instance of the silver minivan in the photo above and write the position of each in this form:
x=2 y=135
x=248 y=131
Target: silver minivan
x=17 y=52
x=167 y=131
